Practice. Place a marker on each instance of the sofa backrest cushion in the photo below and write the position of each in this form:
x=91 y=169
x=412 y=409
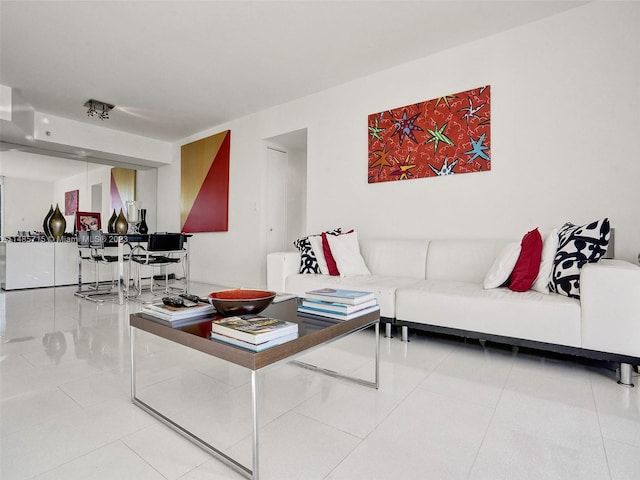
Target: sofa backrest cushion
x=401 y=258
x=462 y=260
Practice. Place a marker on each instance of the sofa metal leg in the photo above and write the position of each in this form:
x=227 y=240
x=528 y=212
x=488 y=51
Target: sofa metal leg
x=626 y=372
x=387 y=330
x=405 y=333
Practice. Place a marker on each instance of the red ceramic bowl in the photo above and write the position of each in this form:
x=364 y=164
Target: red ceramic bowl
x=240 y=301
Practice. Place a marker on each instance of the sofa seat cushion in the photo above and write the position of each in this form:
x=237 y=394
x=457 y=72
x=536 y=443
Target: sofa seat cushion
x=468 y=306
x=383 y=286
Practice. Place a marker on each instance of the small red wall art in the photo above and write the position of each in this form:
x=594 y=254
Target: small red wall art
x=71 y=202
x=444 y=136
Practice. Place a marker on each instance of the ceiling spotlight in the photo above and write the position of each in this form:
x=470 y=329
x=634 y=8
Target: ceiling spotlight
x=96 y=107
x=105 y=113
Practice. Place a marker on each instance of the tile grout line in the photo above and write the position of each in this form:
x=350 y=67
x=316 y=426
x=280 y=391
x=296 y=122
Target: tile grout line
x=493 y=413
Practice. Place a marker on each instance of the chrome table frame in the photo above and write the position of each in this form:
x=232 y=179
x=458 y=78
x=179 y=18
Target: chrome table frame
x=254 y=362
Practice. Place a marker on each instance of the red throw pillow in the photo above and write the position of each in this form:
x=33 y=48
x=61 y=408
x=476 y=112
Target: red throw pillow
x=528 y=263
x=331 y=262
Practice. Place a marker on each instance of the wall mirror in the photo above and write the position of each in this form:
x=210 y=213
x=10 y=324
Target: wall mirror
x=31 y=183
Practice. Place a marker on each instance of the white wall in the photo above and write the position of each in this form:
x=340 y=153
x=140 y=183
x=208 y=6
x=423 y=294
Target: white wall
x=83 y=182
x=26 y=203
x=565 y=120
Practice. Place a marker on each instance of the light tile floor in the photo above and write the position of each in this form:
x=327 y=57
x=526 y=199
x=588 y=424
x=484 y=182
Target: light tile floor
x=445 y=409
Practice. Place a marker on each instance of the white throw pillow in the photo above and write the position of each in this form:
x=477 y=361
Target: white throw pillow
x=502 y=266
x=549 y=248
x=346 y=252
x=316 y=246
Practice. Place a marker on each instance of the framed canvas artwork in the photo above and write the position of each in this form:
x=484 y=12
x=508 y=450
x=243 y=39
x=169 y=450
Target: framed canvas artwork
x=204 y=184
x=444 y=136
x=88 y=221
x=71 y=202
x=123 y=188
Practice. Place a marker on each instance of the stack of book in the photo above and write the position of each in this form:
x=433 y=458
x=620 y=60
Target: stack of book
x=177 y=316
x=338 y=304
x=253 y=332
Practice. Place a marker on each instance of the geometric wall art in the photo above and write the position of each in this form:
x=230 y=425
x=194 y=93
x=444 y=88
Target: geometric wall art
x=123 y=188
x=444 y=136
x=204 y=184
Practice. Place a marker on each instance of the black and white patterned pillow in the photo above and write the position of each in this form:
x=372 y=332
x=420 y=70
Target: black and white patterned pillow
x=577 y=245
x=308 y=259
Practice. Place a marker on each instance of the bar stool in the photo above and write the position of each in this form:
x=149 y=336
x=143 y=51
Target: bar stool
x=97 y=254
x=162 y=250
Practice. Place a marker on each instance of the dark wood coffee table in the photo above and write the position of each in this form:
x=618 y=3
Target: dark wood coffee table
x=313 y=332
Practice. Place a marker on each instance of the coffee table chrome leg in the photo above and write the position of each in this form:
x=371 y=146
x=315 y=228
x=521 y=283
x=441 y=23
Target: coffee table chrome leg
x=132 y=340
x=254 y=411
x=377 y=329
x=375 y=383
x=220 y=455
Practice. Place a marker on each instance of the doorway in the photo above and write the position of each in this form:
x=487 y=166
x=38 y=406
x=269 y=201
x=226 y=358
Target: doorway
x=96 y=197
x=286 y=190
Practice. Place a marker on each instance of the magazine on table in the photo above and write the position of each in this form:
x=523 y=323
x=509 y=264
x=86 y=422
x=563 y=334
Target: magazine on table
x=283 y=297
x=170 y=312
x=252 y=346
x=302 y=310
x=337 y=307
x=253 y=328
x=175 y=322
x=338 y=295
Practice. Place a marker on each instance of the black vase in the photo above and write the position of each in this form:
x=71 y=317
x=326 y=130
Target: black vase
x=57 y=224
x=143 y=228
x=121 y=224
x=45 y=223
x=111 y=226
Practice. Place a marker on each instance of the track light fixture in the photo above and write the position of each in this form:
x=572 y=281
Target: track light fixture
x=96 y=107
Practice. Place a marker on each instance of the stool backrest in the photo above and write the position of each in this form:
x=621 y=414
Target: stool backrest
x=96 y=239
x=165 y=242
x=83 y=239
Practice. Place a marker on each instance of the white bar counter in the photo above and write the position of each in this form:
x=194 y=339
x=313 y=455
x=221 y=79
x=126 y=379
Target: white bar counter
x=38 y=264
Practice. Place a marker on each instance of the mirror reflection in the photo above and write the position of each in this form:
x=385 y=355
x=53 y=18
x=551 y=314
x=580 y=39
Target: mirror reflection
x=33 y=185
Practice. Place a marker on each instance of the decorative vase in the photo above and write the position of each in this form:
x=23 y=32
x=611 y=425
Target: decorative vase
x=111 y=226
x=121 y=224
x=143 y=228
x=45 y=223
x=57 y=224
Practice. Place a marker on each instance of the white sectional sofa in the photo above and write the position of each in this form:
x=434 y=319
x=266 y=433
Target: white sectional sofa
x=437 y=285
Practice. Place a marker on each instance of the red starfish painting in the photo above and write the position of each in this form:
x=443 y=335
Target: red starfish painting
x=444 y=136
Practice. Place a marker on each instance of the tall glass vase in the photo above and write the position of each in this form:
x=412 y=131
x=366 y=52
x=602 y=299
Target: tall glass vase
x=133 y=215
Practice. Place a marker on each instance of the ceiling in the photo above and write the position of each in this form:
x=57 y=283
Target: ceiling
x=175 y=68
x=38 y=168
